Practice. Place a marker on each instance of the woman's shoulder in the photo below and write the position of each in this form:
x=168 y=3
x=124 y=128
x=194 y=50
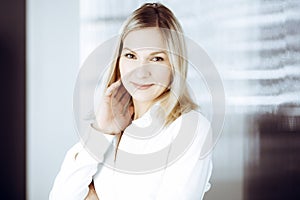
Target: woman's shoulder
x=192 y=132
x=196 y=116
x=191 y=122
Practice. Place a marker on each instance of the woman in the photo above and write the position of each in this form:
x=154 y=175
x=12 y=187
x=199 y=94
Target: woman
x=145 y=84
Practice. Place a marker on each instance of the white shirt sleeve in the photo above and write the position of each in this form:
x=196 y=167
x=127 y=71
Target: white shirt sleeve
x=77 y=172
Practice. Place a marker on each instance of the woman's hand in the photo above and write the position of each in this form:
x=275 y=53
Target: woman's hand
x=114 y=112
x=92 y=195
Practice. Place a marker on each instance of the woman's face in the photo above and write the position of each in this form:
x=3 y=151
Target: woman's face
x=144 y=64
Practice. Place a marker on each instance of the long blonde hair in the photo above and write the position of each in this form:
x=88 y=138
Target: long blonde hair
x=176 y=100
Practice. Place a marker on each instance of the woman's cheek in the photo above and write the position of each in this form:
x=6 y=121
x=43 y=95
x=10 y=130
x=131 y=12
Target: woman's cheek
x=125 y=67
x=162 y=75
x=121 y=67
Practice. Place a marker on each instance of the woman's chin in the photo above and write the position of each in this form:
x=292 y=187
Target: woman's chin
x=143 y=98
x=146 y=95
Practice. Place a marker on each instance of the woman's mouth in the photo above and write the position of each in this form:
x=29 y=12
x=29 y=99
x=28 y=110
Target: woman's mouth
x=142 y=86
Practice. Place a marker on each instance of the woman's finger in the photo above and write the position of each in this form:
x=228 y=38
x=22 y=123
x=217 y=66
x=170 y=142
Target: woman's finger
x=126 y=104
x=125 y=98
x=119 y=94
x=112 y=87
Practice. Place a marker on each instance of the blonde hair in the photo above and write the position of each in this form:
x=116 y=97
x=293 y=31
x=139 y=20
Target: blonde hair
x=177 y=99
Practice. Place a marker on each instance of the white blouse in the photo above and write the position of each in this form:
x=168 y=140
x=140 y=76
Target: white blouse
x=184 y=178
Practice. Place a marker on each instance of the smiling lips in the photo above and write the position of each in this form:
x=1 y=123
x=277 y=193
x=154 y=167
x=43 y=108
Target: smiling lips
x=142 y=86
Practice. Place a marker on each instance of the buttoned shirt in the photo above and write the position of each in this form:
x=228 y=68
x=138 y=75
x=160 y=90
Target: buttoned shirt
x=152 y=163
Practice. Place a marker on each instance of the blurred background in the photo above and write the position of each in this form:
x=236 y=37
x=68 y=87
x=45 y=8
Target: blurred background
x=255 y=45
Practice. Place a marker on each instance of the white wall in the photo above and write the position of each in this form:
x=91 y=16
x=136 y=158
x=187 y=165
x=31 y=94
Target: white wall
x=52 y=65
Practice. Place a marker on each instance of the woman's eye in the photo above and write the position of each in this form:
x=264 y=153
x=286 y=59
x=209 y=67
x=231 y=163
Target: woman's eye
x=157 y=59
x=130 y=56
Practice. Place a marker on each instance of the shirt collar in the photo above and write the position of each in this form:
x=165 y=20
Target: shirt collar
x=147 y=118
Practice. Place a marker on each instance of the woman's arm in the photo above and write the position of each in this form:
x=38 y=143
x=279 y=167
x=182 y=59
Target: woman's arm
x=75 y=175
x=77 y=170
x=113 y=116
x=92 y=195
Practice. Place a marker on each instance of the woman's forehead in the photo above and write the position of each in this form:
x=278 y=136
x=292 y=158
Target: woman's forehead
x=150 y=38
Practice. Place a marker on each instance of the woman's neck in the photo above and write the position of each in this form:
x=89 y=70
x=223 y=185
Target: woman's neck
x=140 y=108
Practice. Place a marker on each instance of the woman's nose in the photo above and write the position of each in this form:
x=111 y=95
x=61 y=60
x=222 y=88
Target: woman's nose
x=142 y=72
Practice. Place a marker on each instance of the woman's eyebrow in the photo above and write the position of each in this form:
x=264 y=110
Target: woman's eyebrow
x=152 y=53
x=158 y=52
x=126 y=48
